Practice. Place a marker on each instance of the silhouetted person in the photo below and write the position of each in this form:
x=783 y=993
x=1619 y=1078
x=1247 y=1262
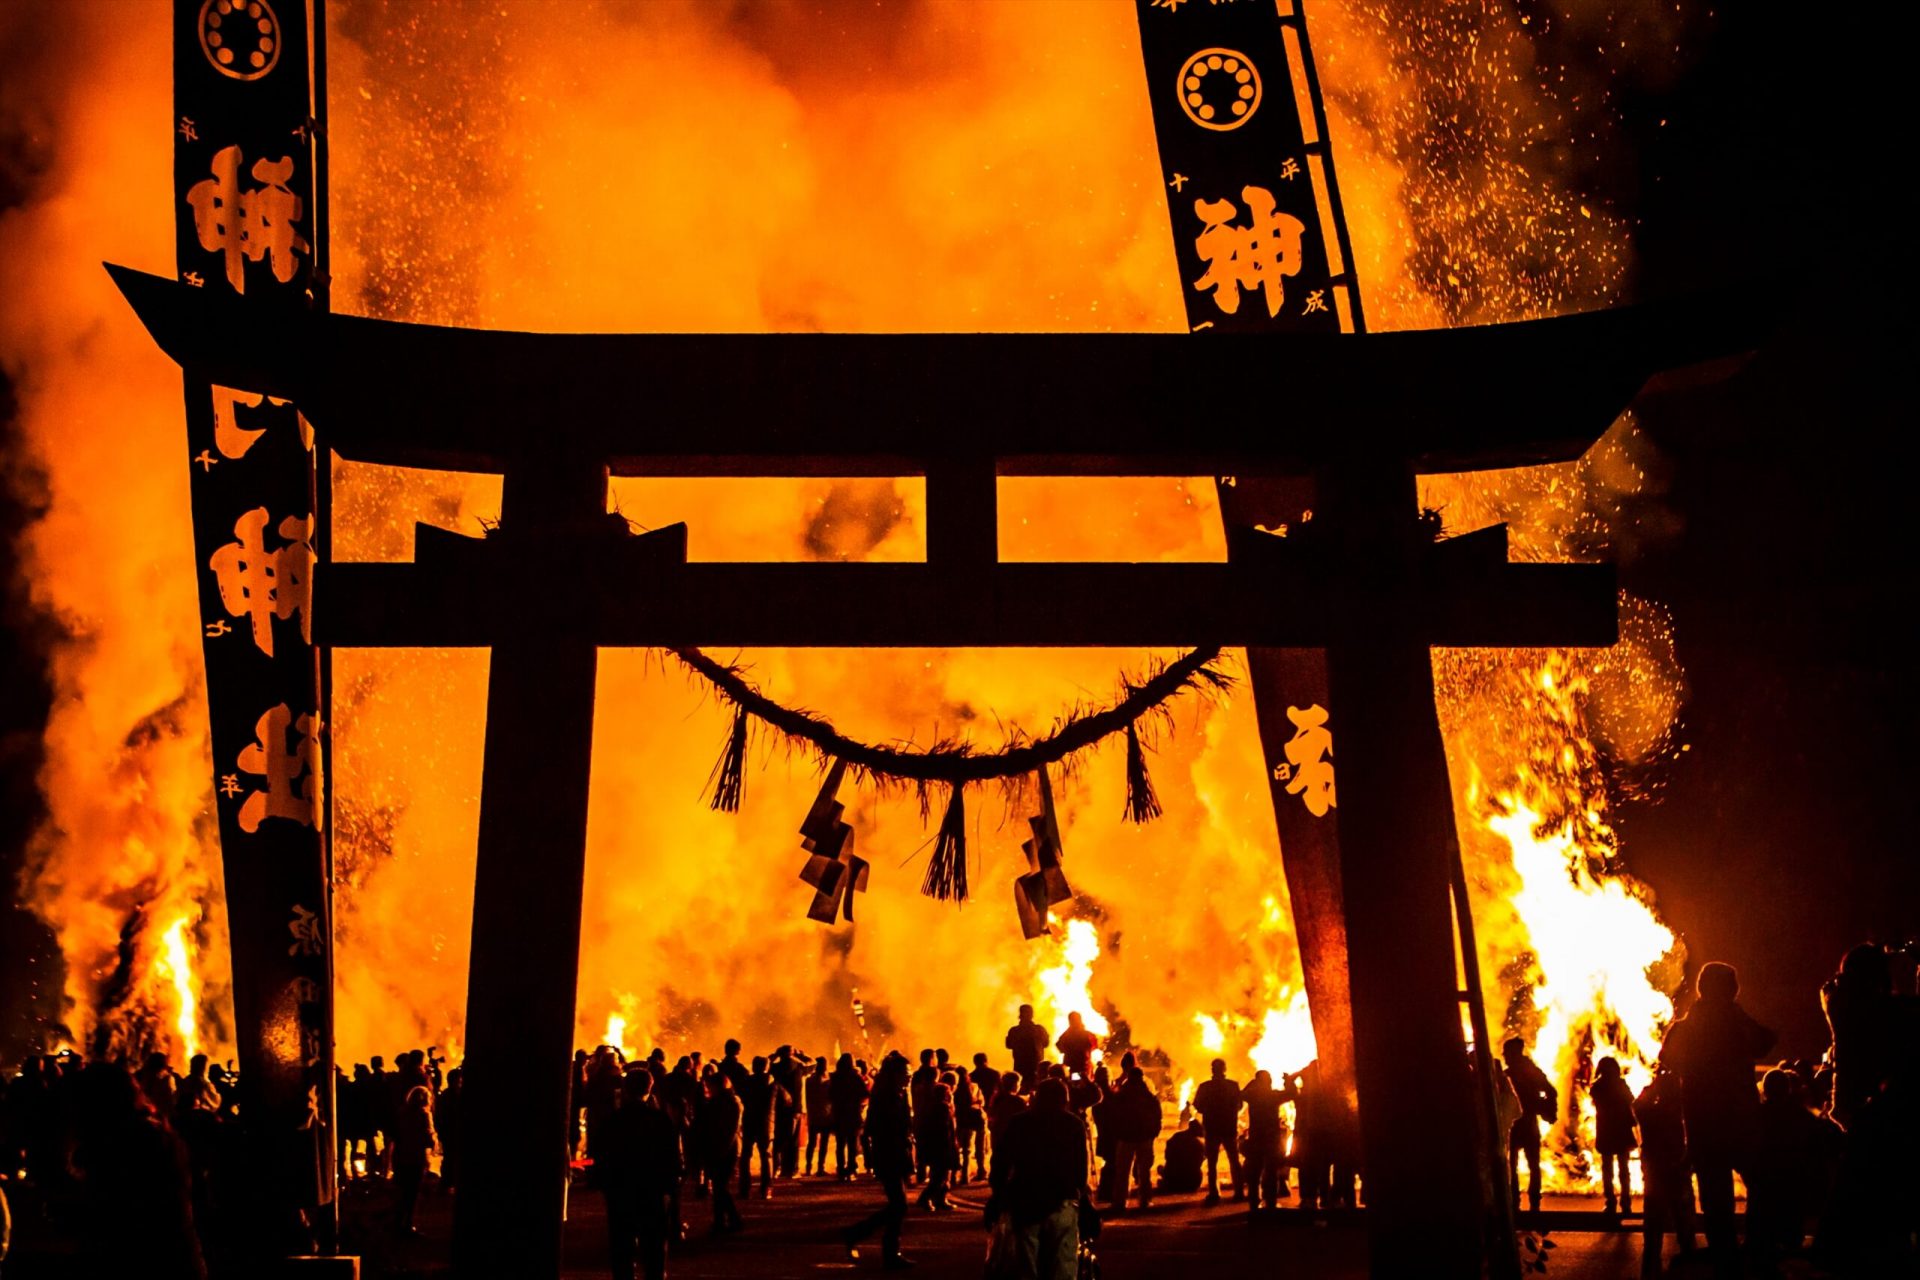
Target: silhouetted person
x=1876 y=1099
x=847 y=1102
x=1007 y=1103
x=969 y=1122
x=1076 y=1045
x=135 y=1210
x=449 y=1118
x=384 y=1112
x=789 y=1071
x=919 y=1085
x=889 y=1132
x=414 y=1140
x=1185 y=1151
x=603 y=1098
x=819 y=1107
x=1667 y=1193
x=1039 y=1178
x=733 y=1069
x=641 y=1178
x=717 y=1137
x=1263 y=1169
x=1136 y=1128
x=937 y=1141
x=1613 y=1132
x=987 y=1081
x=1712 y=1049
x=1795 y=1156
x=1218 y=1103
x=1539 y=1104
x=1027 y=1040
x=760 y=1100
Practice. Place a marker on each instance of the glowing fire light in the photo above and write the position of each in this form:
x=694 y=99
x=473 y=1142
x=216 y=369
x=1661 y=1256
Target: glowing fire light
x=1067 y=986
x=174 y=965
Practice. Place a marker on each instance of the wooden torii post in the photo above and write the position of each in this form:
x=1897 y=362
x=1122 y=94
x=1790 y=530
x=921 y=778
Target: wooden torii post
x=556 y=414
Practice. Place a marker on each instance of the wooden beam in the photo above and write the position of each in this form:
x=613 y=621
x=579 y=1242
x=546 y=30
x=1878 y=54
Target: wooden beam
x=1038 y=605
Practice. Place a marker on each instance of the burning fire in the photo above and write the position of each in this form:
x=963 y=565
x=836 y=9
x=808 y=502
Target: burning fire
x=174 y=965
x=998 y=175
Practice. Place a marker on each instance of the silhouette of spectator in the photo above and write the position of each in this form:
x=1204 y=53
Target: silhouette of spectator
x=1613 y=1132
x=1539 y=1104
x=1871 y=1221
x=790 y=1074
x=135 y=1210
x=819 y=1108
x=1136 y=1119
x=987 y=1081
x=889 y=1131
x=1039 y=1179
x=1076 y=1045
x=760 y=1101
x=1007 y=1103
x=1218 y=1103
x=847 y=1103
x=1027 y=1040
x=969 y=1122
x=380 y=1102
x=1712 y=1049
x=733 y=1069
x=919 y=1084
x=603 y=1098
x=449 y=1119
x=1185 y=1152
x=642 y=1175
x=937 y=1141
x=1795 y=1157
x=1667 y=1196
x=414 y=1140
x=717 y=1132
x=1264 y=1167
x=155 y=1078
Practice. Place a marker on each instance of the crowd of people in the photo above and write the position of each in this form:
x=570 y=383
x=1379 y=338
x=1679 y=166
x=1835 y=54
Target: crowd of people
x=1824 y=1148
x=1060 y=1136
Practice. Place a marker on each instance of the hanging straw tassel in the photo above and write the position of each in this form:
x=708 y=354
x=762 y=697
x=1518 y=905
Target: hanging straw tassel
x=1142 y=804
x=729 y=776
x=947 y=868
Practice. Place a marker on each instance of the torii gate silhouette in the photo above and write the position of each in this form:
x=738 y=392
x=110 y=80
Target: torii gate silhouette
x=555 y=415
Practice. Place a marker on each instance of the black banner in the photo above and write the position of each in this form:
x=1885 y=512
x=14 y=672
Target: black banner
x=246 y=220
x=1262 y=247
x=1242 y=134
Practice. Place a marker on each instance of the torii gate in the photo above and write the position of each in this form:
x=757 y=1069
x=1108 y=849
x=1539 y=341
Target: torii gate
x=555 y=415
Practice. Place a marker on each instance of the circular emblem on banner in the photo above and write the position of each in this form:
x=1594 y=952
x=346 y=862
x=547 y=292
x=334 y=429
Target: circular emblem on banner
x=1219 y=89
x=241 y=38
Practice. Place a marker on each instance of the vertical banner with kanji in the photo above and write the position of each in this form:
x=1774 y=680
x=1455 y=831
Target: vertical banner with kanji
x=246 y=116
x=1262 y=247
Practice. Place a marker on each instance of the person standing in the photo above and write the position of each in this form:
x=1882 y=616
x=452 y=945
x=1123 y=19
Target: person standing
x=717 y=1132
x=1027 y=1040
x=937 y=1140
x=1218 y=1103
x=1076 y=1045
x=414 y=1140
x=889 y=1131
x=1539 y=1102
x=1667 y=1192
x=1039 y=1179
x=760 y=1103
x=1613 y=1132
x=969 y=1122
x=1713 y=1049
x=987 y=1081
x=819 y=1108
x=642 y=1155
x=1263 y=1172
x=1136 y=1121
x=847 y=1103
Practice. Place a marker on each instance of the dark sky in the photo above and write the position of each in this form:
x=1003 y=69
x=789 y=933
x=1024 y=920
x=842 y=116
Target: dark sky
x=1782 y=835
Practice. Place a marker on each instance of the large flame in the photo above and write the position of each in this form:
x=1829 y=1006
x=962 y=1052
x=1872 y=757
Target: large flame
x=943 y=165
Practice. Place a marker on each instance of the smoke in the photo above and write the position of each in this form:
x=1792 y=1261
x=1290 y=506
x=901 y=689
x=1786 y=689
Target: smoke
x=126 y=846
x=942 y=165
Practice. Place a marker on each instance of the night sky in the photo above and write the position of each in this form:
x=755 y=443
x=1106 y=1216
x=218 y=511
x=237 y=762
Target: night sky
x=1782 y=835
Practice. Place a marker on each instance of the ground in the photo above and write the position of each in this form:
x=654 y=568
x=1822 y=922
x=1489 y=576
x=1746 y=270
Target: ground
x=793 y=1235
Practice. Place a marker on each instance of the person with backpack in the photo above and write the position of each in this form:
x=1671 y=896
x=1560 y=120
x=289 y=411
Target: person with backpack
x=1539 y=1103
